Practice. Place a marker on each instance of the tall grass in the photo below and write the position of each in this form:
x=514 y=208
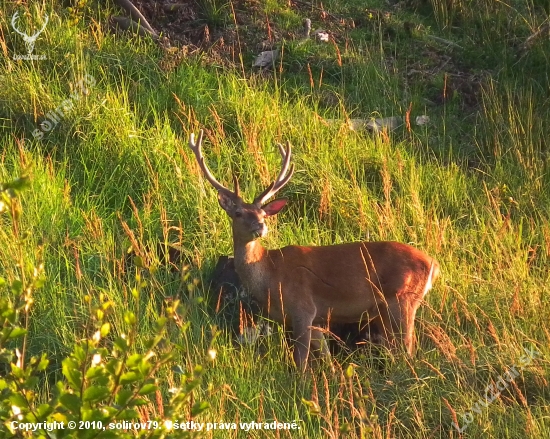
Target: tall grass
x=116 y=174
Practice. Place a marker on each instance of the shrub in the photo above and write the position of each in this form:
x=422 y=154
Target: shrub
x=109 y=387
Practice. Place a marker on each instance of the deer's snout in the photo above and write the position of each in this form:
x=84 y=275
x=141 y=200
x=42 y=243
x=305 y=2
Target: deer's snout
x=259 y=230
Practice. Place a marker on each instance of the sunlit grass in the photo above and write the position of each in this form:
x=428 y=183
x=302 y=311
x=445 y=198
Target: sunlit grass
x=116 y=173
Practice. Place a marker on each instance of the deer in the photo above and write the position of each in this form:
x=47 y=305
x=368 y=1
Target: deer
x=29 y=40
x=305 y=288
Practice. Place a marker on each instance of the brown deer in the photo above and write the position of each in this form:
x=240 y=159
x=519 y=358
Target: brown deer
x=308 y=287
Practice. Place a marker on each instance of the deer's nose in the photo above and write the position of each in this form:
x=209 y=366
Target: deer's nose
x=259 y=230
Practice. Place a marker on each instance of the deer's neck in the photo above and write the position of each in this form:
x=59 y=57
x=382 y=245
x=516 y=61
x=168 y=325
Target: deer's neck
x=250 y=264
x=248 y=253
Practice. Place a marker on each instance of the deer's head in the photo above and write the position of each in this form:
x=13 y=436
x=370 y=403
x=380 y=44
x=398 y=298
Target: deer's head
x=28 y=39
x=247 y=218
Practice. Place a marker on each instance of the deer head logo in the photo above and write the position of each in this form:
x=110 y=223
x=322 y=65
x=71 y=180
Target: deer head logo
x=28 y=39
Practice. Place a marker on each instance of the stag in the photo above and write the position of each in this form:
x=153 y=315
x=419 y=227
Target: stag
x=28 y=39
x=308 y=287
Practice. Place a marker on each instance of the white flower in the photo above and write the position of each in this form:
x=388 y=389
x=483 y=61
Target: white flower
x=96 y=359
x=97 y=336
x=17 y=412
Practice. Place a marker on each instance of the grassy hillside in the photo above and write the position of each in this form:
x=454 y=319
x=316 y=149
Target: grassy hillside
x=114 y=175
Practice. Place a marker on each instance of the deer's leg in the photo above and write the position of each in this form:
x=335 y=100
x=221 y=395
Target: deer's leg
x=319 y=344
x=371 y=331
x=403 y=313
x=301 y=330
x=410 y=309
x=319 y=347
x=384 y=326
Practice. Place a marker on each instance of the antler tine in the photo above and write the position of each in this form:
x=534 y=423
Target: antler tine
x=197 y=149
x=284 y=166
x=13 y=20
x=282 y=150
x=43 y=26
x=281 y=179
x=236 y=183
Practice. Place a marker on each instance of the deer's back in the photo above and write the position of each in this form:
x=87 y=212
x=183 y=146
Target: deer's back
x=348 y=279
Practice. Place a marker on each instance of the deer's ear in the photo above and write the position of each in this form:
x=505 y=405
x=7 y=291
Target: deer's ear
x=274 y=207
x=226 y=202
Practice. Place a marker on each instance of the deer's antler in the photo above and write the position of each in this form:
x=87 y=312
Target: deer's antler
x=24 y=35
x=28 y=39
x=13 y=20
x=197 y=149
x=282 y=179
x=43 y=27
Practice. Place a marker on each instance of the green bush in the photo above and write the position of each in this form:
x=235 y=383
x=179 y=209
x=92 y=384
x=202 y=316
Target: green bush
x=111 y=387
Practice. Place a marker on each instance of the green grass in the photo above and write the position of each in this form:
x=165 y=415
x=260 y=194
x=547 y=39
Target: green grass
x=472 y=189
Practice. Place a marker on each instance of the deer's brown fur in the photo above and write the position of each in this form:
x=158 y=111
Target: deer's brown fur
x=308 y=287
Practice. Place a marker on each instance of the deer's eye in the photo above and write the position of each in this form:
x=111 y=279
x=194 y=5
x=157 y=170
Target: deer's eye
x=238 y=214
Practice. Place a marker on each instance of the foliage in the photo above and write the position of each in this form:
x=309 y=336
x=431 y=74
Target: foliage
x=108 y=387
x=471 y=188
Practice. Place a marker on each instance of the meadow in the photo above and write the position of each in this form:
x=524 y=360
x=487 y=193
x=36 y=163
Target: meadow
x=89 y=196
